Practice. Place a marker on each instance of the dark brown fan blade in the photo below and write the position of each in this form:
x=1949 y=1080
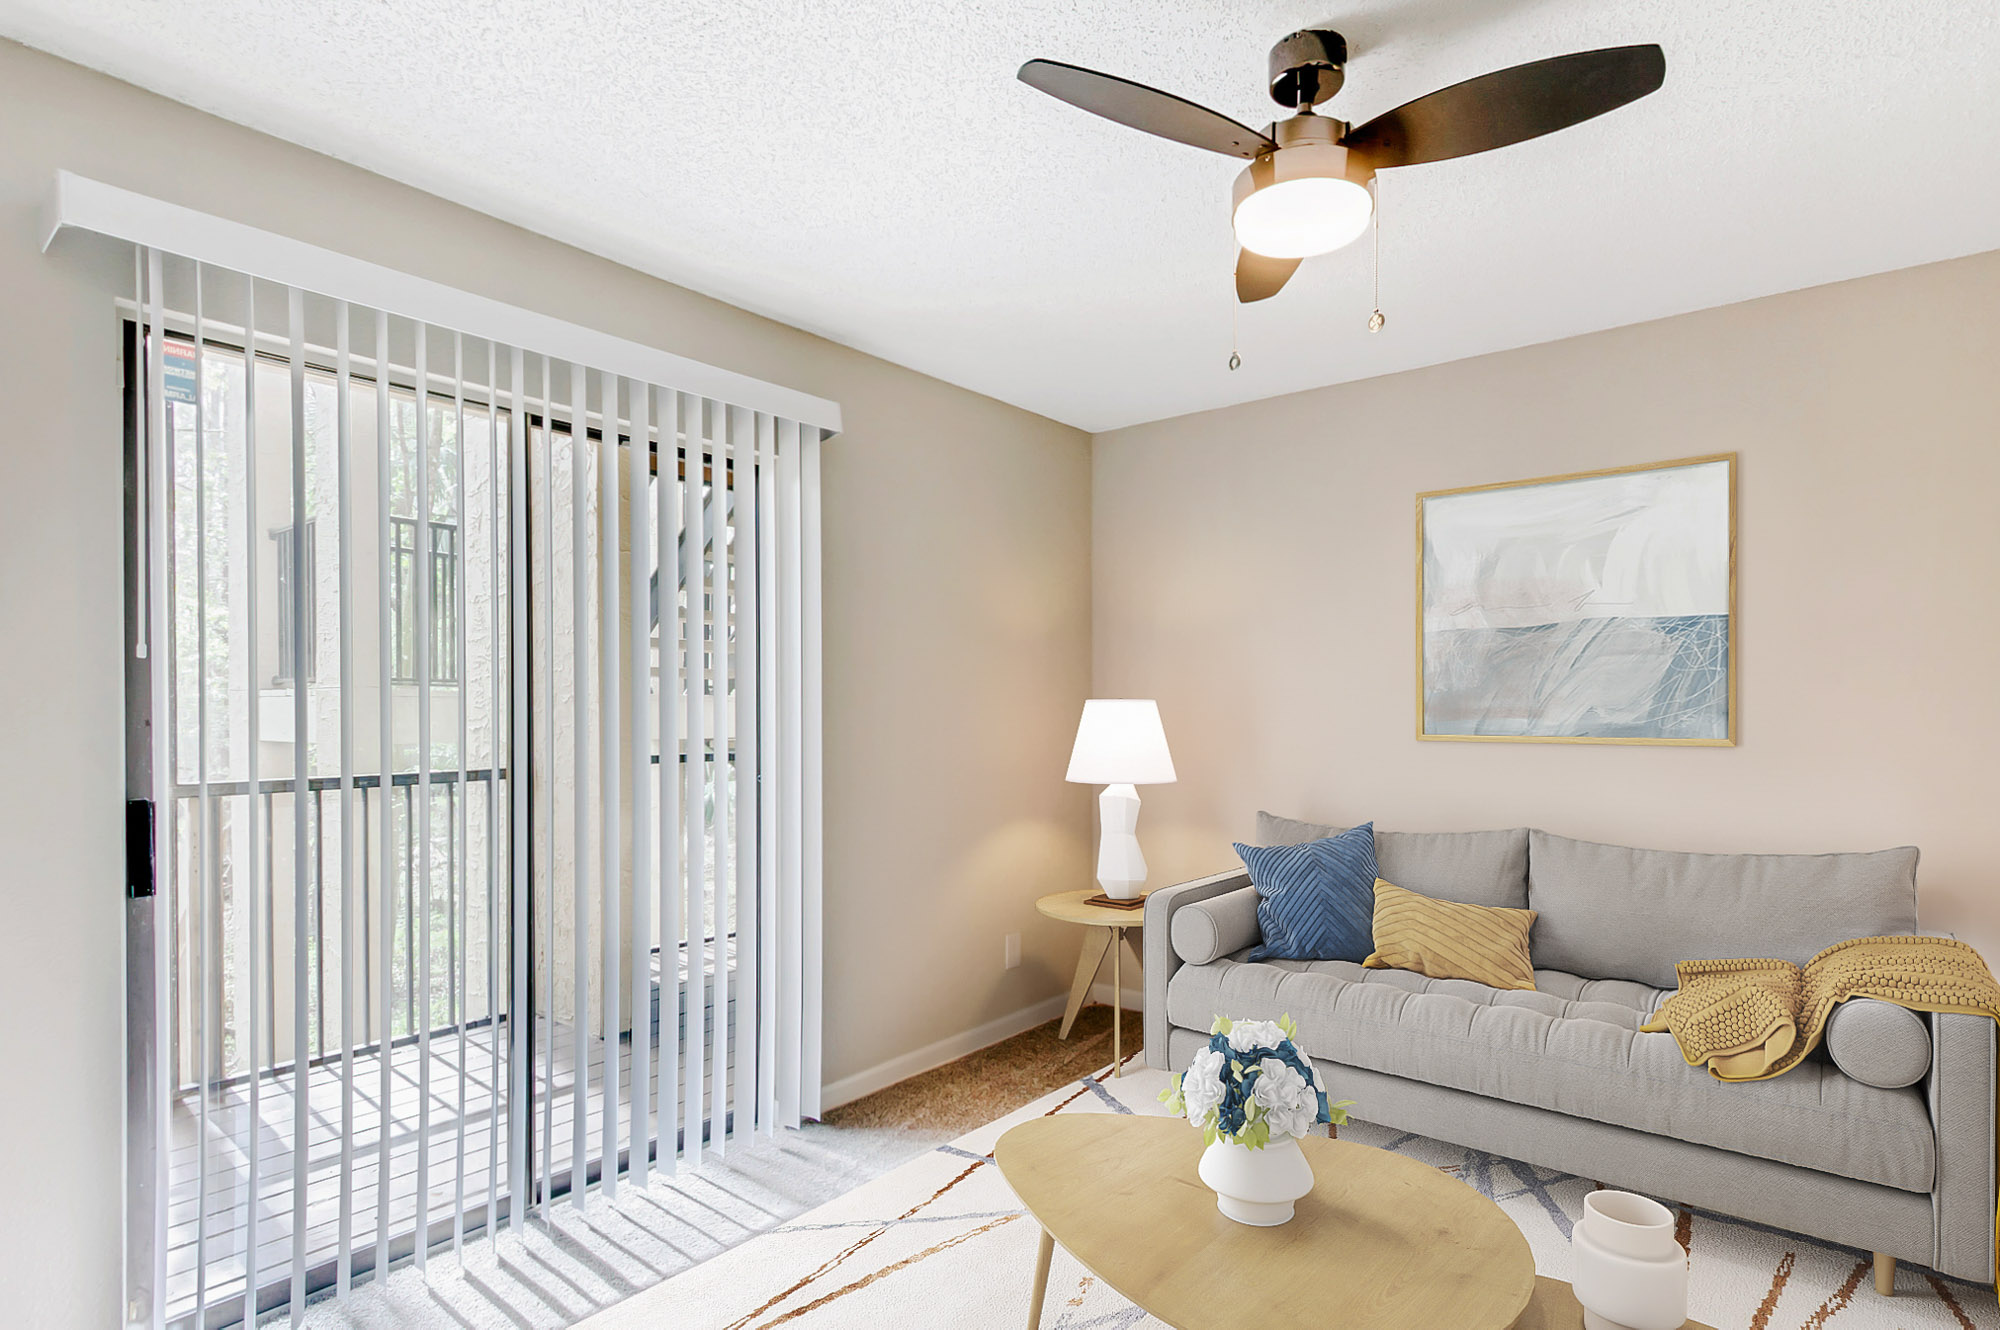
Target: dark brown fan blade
x=1259 y=278
x=1509 y=106
x=1145 y=108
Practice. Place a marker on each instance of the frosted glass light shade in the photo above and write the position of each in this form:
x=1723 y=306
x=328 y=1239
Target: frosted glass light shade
x=1296 y=219
x=1302 y=199
x=1120 y=742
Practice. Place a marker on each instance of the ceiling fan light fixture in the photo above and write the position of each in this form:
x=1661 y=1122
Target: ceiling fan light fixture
x=1299 y=201
x=1306 y=189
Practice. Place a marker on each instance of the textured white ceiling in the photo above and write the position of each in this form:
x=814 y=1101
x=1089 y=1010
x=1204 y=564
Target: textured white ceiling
x=871 y=170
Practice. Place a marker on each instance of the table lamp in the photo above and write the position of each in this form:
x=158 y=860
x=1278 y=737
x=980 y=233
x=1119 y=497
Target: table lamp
x=1119 y=744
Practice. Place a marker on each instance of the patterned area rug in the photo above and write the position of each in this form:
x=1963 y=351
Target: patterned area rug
x=942 y=1242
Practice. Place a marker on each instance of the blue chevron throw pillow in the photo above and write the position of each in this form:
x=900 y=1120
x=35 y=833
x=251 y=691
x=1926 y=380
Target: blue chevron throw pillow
x=1316 y=901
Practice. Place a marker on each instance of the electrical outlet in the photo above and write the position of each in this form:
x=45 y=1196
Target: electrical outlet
x=1013 y=951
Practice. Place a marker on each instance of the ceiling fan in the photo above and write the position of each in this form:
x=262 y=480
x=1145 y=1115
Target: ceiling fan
x=1305 y=191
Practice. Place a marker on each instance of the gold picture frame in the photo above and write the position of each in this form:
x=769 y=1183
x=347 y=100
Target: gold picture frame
x=1462 y=652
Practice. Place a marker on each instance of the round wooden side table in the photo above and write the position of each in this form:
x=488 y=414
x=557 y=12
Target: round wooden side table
x=1104 y=929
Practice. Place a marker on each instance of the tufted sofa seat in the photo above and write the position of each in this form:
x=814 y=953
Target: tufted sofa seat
x=1574 y=1047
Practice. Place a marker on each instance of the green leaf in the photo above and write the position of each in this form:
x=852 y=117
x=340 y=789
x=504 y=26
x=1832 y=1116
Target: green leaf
x=1222 y=1025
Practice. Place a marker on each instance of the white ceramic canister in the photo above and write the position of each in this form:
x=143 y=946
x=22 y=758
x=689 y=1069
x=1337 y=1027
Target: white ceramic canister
x=1631 y=1273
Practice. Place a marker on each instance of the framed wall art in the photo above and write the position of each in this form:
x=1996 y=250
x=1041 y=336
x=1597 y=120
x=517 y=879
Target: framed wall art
x=1598 y=607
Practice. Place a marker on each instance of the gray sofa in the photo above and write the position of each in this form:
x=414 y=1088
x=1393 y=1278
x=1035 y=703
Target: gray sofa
x=1561 y=1077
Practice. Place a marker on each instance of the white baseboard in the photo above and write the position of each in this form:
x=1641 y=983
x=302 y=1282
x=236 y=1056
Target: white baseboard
x=1135 y=999
x=885 y=1074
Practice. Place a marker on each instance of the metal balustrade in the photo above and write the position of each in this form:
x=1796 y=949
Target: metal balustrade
x=458 y=895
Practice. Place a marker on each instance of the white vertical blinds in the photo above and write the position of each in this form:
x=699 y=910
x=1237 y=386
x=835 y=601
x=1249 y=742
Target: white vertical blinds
x=522 y=899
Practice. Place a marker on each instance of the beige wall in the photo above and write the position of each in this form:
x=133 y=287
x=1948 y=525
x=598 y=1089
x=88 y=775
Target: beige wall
x=1253 y=569
x=956 y=609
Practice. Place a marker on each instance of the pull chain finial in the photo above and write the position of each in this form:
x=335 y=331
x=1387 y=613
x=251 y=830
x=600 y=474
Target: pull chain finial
x=1377 y=319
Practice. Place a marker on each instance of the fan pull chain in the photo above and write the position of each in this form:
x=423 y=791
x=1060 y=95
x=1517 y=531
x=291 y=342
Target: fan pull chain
x=1377 y=319
x=1235 y=360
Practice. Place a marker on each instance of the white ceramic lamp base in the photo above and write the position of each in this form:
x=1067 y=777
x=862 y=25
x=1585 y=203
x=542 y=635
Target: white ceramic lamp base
x=1121 y=868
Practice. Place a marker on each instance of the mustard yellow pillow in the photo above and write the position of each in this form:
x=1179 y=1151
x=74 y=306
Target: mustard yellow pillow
x=1447 y=940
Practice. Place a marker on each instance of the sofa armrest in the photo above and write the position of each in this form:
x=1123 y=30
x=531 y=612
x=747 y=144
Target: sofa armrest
x=1160 y=960
x=1964 y=1080
x=1207 y=930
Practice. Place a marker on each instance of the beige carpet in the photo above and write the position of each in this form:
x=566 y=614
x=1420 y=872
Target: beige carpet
x=981 y=1086
x=942 y=1242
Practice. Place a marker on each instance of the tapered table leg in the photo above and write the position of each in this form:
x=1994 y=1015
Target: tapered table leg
x=1042 y=1255
x=1095 y=943
x=1117 y=1002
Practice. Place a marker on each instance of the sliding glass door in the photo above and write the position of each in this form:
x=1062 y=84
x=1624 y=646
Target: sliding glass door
x=472 y=765
x=329 y=663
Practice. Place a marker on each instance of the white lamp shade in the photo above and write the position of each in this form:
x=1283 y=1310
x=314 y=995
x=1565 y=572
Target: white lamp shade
x=1120 y=742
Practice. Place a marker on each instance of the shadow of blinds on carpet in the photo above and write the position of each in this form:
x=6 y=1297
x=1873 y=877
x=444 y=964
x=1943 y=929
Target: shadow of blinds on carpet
x=374 y=558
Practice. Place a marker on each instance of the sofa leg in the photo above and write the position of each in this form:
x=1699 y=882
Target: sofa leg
x=1885 y=1274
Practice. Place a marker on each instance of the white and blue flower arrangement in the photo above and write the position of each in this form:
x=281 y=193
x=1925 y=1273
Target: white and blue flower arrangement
x=1252 y=1087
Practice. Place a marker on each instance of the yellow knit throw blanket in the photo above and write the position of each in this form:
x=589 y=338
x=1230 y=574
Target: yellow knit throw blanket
x=1750 y=1020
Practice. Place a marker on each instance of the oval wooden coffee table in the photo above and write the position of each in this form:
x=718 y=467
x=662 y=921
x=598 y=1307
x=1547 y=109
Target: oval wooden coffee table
x=1383 y=1242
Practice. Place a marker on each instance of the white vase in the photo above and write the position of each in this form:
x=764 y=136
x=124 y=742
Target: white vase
x=1631 y=1273
x=1257 y=1186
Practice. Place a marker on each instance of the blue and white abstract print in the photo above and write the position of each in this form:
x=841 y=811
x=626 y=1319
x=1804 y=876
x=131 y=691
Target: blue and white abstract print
x=1590 y=608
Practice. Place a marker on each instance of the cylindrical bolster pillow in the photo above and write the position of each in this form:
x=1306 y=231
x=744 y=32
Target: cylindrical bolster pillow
x=1207 y=930
x=1877 y=1043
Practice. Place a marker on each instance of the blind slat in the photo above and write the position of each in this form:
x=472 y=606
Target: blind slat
x=259 y=876
x=693 y=565
x=421 y=931
x=639 y=768
x=344 y=521
x=385 y=817
x=672 y=543
x=722 y=889
x=748 y=1056
x=460 y=796
x=608 y=766
x=583 y=860
x=767 y=762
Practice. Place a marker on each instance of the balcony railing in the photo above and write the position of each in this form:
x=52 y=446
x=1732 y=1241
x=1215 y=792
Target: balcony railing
x=456 y=925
